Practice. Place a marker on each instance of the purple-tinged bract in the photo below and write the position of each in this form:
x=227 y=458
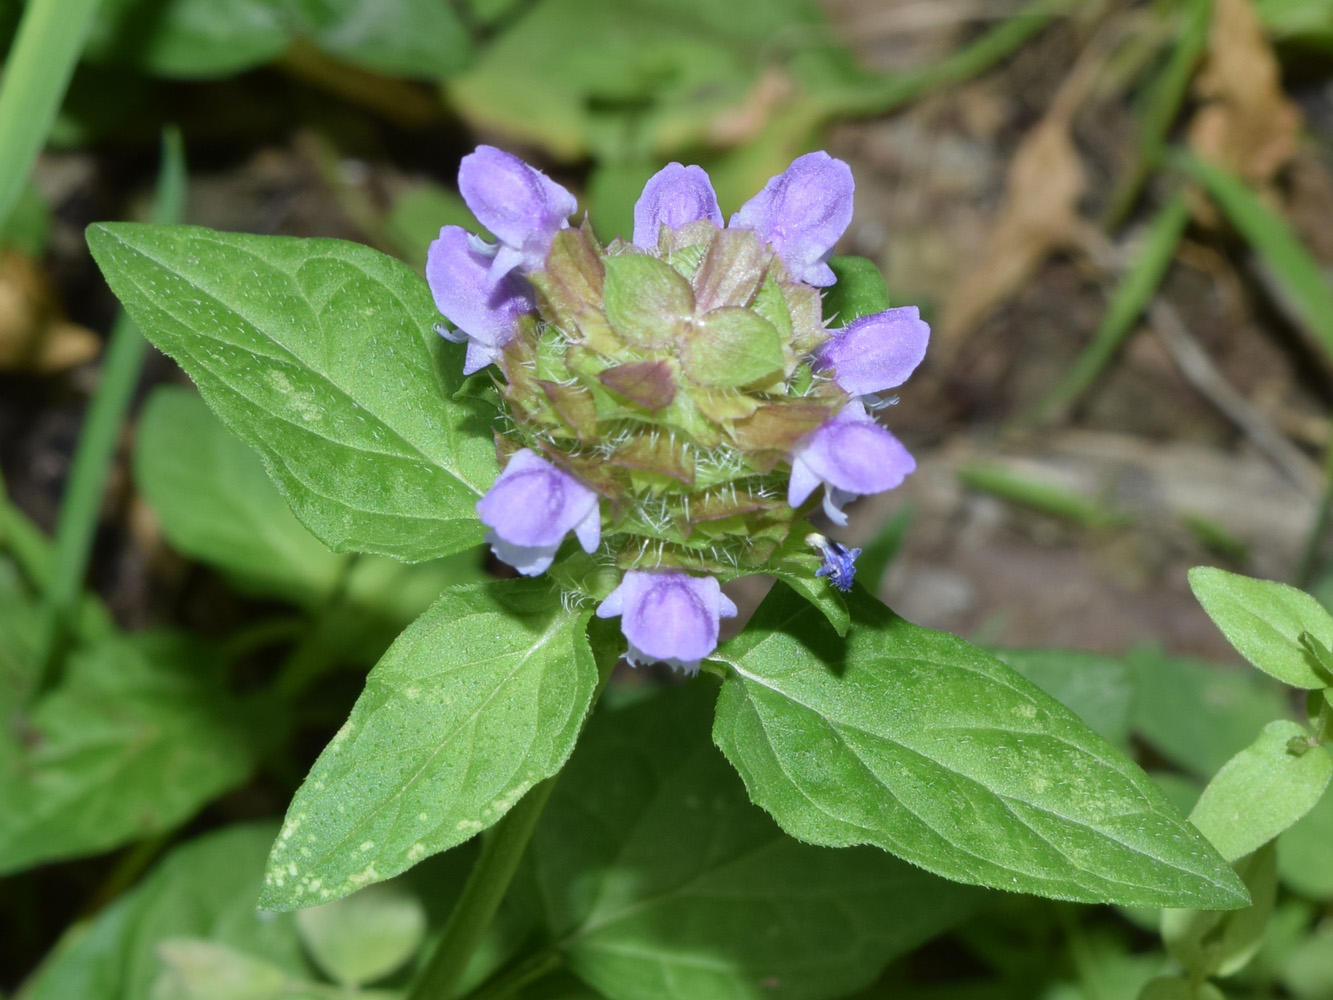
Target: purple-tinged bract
x=531 y=507
x=668 y=616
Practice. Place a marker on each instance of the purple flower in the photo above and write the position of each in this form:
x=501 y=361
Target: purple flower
x=523 y=208
x=673 y=197
x=668 y=616
x=486 y=315
x=531 y=508
x=802 y=212
x=876 y=352
x=850 y=455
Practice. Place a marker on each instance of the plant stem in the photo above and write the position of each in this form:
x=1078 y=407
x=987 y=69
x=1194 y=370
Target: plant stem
x=37 y=71
x=486 y=886
x=96 y=448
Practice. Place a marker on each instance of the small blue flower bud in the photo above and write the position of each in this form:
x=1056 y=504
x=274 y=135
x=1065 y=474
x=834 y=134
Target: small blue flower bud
x=839 y=561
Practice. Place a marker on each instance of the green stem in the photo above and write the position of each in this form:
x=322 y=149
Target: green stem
x=133 y=863
x=37 y=71
x=96 y=448
x=486 y=886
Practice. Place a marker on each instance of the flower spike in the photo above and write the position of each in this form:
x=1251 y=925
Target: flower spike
x=531 y=507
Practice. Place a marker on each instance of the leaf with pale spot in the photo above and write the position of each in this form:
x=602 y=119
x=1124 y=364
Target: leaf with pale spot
x=477 y=701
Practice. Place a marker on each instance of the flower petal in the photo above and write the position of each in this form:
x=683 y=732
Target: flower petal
x=535 y=504
x=529 y=560
x=852 y=456
x=668 y=616
x=876 y=352
x=673 y=197
x=523 y=207
x=457 y=275
x=803 y=212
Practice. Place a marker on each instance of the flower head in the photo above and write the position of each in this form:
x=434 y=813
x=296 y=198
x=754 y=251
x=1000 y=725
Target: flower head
x=668 y=616
x=686 y=378
x=531 y=508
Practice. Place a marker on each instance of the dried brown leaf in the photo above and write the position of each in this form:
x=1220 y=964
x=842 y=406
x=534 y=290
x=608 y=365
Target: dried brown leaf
x=1246 y=123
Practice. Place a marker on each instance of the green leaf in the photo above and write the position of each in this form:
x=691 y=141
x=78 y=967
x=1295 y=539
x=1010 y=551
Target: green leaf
x=195 y=39
x=1174 y=988
x=1095 y=688
x=365 y=936
x=423 y=38
x=916 y=742
x=1199 y=715
x=660 y=880
x=1308 y=970
x=204 y=889
x=1262 y=791
x=481 y=698
x=201 y=970
x=320 y=355
x=216 y=504
x=1305 y=853
x=188 y=38
x=636 y=79
x=140 y=735
x=1209 y=942
x=1264 y=620
x=860 y=291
